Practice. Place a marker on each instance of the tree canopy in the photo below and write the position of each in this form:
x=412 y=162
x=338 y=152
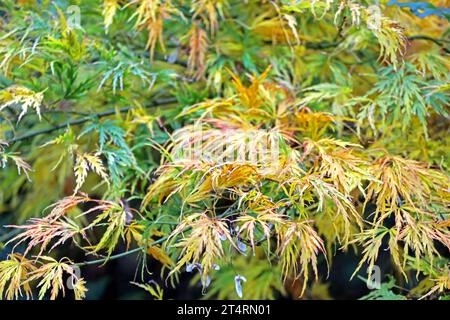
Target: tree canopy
x=244 y=142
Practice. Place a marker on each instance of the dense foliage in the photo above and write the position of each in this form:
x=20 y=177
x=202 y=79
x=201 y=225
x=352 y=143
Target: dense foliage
x=245 y=142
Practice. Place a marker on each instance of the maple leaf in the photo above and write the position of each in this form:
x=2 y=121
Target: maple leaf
x=88 y=162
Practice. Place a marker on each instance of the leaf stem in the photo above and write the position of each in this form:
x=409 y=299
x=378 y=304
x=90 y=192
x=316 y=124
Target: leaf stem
x=120 y=255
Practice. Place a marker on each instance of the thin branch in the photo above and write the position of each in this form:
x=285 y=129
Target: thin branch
x=120 y=255
x=87 y=118
x=319 y=45
x=9 y=235
x=424 y=37
x=440 y=42
x=311 y=45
